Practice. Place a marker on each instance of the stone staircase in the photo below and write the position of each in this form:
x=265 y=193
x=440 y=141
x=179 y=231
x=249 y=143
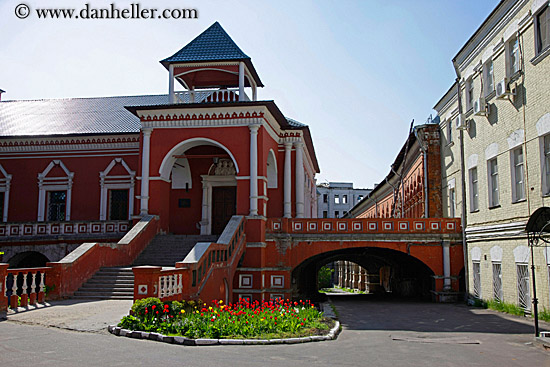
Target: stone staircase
x=166 y=250
x=118 y=282
x=108 y=283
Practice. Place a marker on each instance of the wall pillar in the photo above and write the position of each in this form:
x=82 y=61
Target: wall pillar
x=299 y=179
x=144 y=195
x=171 y=93
x=204 y=216
x=446 y=265
x=254 y=169
x=288 y=181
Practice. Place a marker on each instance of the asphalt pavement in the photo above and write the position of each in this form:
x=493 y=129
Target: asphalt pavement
x=376 y=332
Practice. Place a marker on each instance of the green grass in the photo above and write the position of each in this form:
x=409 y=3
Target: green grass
x=544 y=315
x=506 y=307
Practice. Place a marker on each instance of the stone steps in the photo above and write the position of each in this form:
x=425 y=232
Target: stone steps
x=108 y=283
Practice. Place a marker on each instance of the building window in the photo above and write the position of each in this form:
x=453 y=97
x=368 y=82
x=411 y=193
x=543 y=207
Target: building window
x=524 y=295
x=492 y=173
x=542 y=26
x=488 y=78
x=2 y=198
x=325 y=198
x=57 y=202
x=336 y=199
x=546 y=164
x=325 y=214
x=497 y=281
x=474 y=190
x=476 y=271
x=518 y=183
x=344 y=199
x=337 y=214
x=360 y=197
x=449 y=131
x=469 y=94
x=513 y=56
x=452 y=203
x=118 y=204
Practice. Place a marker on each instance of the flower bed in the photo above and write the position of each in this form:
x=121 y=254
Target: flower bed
x=265 y=320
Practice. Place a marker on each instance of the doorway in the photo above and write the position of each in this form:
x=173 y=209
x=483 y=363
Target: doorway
x=224 y=206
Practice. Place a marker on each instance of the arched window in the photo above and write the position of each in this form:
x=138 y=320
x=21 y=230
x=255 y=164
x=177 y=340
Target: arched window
x=271 y=170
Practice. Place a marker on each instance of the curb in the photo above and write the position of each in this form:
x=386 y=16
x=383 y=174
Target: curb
x=180 y=340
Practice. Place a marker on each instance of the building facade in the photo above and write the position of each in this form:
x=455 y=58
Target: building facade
x=335 y=199
x=495 y=155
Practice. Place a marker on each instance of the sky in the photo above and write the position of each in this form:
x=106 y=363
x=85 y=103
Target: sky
x=356 y=71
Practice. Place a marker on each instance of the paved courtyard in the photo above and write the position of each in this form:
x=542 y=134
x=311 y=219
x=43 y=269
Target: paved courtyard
x=375 y=333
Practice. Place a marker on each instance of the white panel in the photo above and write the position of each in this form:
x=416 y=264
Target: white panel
x=496 y=253
x=521 y=254
x=543 y=125
x=475 y=254
x=472 y=161
x=181 y=174
x=516 y=138
x=491 y=151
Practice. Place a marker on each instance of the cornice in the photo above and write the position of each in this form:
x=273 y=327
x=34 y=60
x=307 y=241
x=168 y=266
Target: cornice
x=69 y=143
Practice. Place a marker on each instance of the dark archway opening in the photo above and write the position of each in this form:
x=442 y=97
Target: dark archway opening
x=28 y=259
x=388 y=272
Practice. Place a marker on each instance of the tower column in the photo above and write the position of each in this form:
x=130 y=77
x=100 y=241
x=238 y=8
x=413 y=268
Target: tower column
x=241 y=81
x=299 y=179
x=146 y=148
x=288 y=181
x=171 y=94
x=254 y=169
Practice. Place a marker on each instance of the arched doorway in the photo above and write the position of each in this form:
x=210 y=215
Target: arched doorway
x=203 y=194
x=28 y=259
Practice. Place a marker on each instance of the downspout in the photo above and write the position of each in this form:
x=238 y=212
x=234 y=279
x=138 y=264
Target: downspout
x=402 y=192
x=393 y=187
x=425 y=161
x=463 y=216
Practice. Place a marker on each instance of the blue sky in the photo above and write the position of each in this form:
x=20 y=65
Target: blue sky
x=356 y=71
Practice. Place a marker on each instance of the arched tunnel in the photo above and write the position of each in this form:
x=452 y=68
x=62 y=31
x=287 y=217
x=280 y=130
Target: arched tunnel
x=408 y=276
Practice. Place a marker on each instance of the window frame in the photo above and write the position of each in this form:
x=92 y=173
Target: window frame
x=513 y=165
x=510 y=47
x=545 y=164
x=474 y=189
x=539 y=48
x=49 y=203
x=336 y=199
x=493 y=187
x=469 y=92
x=452 y=202
x=487 y=77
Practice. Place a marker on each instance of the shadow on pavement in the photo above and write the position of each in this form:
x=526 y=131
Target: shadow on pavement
x=369 y=312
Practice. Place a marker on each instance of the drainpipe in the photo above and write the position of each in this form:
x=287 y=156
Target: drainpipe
x=425 y=159
x=402 y=189
x=463 y=216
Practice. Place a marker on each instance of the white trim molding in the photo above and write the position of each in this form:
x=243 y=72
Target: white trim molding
x=54 y=184
x=5 y=184
x=116 y=183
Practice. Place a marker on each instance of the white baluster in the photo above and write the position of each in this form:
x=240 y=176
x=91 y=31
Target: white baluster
x=160 y=288
x=170 y=285
x=14 y=286
x=180 y=283
x=42 y=285
x=33 y=283
x=165 y=292
x=24 y=284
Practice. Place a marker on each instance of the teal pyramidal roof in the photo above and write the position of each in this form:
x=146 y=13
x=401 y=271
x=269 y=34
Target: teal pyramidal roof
x=214 y=44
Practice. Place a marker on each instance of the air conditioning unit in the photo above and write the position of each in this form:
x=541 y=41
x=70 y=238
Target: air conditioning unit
x=461 y=123
x=502 y=90
x=480 y=108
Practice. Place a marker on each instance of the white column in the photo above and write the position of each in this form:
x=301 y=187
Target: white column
x=204 y=218
x=299 y=180
x=171 y=94
x=288 y=181
x=144 y=195
x=446 y=265
x=254 y=169
x=241 y=81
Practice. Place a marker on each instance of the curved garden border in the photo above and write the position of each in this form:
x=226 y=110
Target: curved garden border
x=181 y=340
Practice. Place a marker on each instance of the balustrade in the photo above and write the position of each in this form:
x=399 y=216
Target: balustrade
x=25 y=286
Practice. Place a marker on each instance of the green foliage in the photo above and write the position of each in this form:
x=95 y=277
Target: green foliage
x=544 y=315
x=48 y=289
x=240 y=320
x=479 y=303
x=505 y=307
x=324 y=277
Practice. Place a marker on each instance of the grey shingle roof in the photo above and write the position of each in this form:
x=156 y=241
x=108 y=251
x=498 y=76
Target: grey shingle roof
x=295 y=123
x=73 y=115
x=212 y=44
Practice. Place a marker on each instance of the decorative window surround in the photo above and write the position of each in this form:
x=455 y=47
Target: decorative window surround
x=54 y=184
x=208 y=182
x=116 y=182
x=5 y=183
x=272 y=170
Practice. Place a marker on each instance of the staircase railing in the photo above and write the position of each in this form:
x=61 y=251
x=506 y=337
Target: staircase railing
x=200 y=273
x=68 y=274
